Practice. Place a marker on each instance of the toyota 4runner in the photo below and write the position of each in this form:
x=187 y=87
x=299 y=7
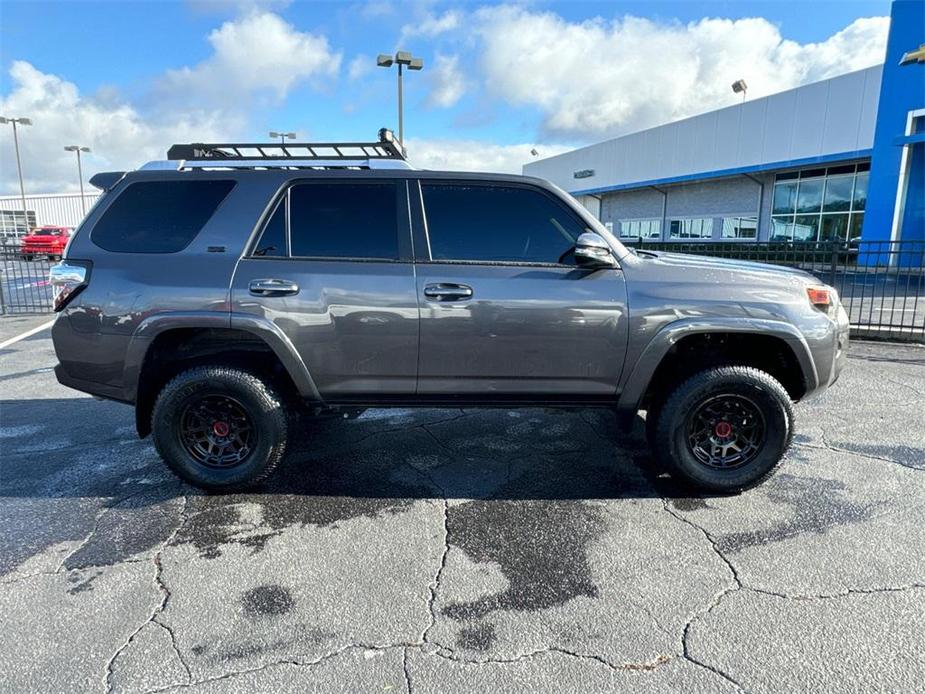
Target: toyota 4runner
x=225 y=288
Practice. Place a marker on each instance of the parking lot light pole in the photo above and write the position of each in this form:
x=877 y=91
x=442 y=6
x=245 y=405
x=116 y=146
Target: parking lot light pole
x=22 y=189
x=80 y=174
x=401 y=58
x=282 y=136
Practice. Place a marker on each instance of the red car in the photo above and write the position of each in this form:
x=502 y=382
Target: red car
x=45 y=240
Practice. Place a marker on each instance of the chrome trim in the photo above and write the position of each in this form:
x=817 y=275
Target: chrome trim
x=62 y=274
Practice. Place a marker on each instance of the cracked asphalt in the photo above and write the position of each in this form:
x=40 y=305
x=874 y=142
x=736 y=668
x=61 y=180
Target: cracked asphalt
x=448 y=550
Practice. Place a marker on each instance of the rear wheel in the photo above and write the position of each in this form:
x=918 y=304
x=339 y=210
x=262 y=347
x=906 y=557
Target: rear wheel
x=219 y=428
x=724 y=429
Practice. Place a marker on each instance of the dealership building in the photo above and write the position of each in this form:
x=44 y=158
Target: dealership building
x=843 y=158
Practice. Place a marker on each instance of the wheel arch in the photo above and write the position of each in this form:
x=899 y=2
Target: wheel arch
x=776 y=337
x=164 y=345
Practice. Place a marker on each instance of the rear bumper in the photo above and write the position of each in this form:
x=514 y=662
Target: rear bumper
x=100 y=390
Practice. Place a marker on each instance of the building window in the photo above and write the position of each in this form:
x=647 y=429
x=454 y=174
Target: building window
x=694 y=228
x=819 y=204
x=740 y=227
x=13 y=223
x=641 y=228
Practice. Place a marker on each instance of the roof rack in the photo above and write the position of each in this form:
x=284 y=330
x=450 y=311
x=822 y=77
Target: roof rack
x=296 y=154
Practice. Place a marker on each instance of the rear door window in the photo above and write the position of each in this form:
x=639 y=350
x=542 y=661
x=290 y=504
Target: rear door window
x=498 y=224
x=158 y=216
x=344 y=220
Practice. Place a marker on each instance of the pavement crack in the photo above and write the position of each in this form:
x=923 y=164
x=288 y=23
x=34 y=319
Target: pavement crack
x=826 y=446
x=631 y=666
x=835 y=596
x=406 y=670
x=435 y=583
x=717 y=599
x=158 y=609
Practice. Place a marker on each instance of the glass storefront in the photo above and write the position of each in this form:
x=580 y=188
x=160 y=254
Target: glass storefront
x=820 y=204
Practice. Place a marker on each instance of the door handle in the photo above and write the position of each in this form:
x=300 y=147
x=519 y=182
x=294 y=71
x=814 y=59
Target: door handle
x=447 y=290
x=272 y=287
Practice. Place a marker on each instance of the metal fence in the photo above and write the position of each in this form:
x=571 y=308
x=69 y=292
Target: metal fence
x=24 y=286
x=881 y=283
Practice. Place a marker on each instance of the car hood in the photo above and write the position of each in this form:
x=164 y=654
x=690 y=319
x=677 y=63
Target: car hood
x=705 y=263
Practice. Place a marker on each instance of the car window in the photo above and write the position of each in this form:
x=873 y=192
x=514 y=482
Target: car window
x=272 y=241
x=158 y=216
x=498 y=224
x=344 y=220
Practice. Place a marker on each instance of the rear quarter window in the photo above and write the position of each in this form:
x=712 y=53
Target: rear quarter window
x=158 y=216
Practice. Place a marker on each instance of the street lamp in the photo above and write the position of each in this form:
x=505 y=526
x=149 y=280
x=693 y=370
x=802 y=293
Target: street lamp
x=80 y=174
x=282 y=136
x=22 y=190
x=739 y=87
x=401 y=58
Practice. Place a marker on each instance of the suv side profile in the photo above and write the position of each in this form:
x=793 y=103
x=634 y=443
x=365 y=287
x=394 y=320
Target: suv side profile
x=232 y=285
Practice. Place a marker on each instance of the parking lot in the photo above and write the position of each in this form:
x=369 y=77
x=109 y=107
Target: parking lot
x=450 y=550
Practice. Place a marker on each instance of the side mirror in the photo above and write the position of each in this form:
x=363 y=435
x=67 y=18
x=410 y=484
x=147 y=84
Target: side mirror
x=592 y=251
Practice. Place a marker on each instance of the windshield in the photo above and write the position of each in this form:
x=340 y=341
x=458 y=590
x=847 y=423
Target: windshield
x=46 y=232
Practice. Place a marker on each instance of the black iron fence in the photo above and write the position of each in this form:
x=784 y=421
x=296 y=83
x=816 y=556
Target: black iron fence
x=881 y=283
x=24 y=286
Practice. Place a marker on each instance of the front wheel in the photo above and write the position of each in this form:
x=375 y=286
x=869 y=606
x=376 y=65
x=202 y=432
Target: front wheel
x=724 y=429
x=219 y=428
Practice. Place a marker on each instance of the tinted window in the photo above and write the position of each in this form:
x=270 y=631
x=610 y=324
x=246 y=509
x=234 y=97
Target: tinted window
x=273 y=239
x=344 y=220
x=494 y=223
x=158 y=216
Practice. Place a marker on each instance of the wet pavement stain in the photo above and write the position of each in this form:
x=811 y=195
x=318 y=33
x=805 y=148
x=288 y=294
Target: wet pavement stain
x=479 y=637
x=304 y=492
x=541 y=548
x=82 y=582
x=267 y=601
x=817 y=504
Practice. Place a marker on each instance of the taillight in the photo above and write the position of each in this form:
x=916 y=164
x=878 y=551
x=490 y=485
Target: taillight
x=67 y=278
x=820 y=297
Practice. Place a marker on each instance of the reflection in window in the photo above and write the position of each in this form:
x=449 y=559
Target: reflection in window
x=785 y=197
x=695 y=228
x=809 y=195
x=838 y=194
x=641 y=228
x=740 y=227
x=820 y=205
x=805 y=227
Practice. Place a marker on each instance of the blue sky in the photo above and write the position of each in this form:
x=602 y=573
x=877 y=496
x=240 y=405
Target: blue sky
x=127 y=78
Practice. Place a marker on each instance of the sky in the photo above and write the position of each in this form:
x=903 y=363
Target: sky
x=128 y=79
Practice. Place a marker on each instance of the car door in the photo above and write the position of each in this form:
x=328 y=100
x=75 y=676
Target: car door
x=332 y=269
x=505 y=311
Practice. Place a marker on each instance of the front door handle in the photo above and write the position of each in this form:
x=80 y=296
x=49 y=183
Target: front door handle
x=447 y=291
x=273 y=287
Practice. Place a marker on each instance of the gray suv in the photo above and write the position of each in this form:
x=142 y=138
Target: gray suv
x=227 y=288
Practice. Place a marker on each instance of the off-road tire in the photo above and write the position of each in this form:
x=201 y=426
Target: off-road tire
x=259 y=400
x=670 y=436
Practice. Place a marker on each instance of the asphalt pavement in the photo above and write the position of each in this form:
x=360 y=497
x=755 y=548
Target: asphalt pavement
x=462 y=551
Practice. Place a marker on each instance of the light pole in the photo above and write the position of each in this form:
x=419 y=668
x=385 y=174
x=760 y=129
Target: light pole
x=401 y=58
x=80 y=174
x=22 y=189
x=282 y=136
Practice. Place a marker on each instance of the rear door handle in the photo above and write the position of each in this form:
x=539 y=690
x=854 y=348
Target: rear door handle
x=447 y=291
x=273 y=287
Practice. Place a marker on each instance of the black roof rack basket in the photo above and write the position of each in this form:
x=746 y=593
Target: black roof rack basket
x=384 y=148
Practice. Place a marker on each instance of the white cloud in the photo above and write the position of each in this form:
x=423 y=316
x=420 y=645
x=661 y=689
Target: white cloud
x=474 y=155
x=257 y=60
x=258 y=54
x=360 y=66
x=447 y=84
x=599 y=77
x=116 y=132
x=431 y=25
